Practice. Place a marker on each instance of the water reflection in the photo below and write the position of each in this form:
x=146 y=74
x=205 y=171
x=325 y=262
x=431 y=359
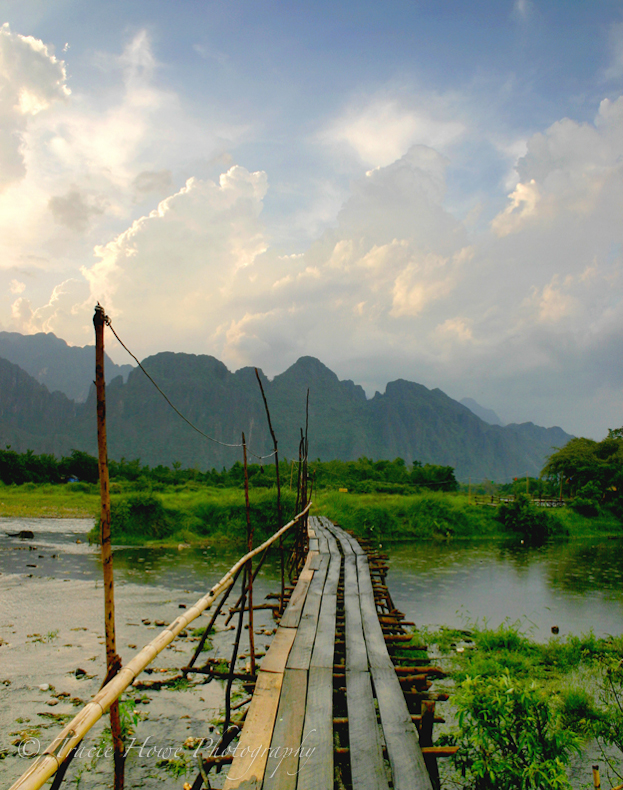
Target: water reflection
x=576 y=585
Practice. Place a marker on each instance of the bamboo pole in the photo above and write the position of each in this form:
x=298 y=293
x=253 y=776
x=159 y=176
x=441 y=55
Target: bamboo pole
x=113 y=662
x=250 y=563
x=279 y=515
x=596 y=780
x=73 y=733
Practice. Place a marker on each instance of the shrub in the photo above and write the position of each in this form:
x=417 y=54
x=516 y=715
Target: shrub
x=523 y=520
x=609 y=728
x=510 y=736
x=140 y=514
x=586 y=501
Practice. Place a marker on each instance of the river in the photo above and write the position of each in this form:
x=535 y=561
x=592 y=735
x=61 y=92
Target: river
x=51 y=622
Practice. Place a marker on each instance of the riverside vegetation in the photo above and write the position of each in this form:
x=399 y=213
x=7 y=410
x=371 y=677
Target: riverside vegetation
x=522 y=710
x=385 y=500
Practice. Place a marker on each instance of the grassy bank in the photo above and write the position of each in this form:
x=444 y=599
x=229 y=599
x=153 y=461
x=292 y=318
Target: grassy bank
x=440 y=516
x=74 y=500
x=194 y=512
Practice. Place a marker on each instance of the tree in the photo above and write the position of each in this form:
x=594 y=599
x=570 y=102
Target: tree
x=593 y=470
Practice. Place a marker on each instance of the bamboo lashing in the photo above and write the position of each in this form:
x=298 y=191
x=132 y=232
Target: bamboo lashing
x=73 y=733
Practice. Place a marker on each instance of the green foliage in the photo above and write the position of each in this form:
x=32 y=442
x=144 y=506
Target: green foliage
x=129 y=717
x=592 y=471
x=586 y=501
x=140 y=514
x=27 y=467
x=510 y=736
x=177 y=766
x=577 y=710
x=366 y=476
x=424 y=515
x=608 y=729
x=188 y=513
x=531 y=524
x=523 y=707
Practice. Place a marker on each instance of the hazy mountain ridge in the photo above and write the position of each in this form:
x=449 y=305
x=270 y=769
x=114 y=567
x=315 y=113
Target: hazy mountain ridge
x=488 y=415
x=407 y=421
x=51 y=361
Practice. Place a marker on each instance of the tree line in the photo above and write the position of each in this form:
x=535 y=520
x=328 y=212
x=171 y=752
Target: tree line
x=362 y=476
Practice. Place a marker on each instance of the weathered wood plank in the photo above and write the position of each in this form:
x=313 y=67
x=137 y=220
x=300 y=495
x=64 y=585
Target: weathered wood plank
x=282 y=766
x=294 y=609
x=322 y=542
x=314 y=560
x=403 y=748
x=321 y=534
x=378 y=656
x=247 y=770
x=316 y=760
x=324 y=643
x=366 y=752
x=300 y=655
x=342 y=535
x=279 y=650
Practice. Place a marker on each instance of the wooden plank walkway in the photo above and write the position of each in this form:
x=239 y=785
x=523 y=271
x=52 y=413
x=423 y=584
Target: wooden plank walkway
x=287 y=742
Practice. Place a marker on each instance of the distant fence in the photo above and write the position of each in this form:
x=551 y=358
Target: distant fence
x=493 y=500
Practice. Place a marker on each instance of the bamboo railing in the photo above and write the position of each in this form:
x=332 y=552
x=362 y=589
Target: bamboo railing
x=72 y=734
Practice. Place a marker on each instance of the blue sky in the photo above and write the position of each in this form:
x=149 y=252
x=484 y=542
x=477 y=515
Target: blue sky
x=425 y=190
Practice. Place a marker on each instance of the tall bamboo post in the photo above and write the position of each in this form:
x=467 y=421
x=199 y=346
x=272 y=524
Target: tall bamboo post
x=113 y=662
x=279 y=516
x=596 y=779
x=250 y=563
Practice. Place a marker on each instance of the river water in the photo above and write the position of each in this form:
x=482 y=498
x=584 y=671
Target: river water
x=51 y=623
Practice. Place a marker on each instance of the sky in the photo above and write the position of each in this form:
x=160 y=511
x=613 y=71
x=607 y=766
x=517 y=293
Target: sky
x=427 y=189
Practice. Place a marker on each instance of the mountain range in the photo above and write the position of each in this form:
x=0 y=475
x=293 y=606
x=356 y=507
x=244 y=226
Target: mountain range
x=407 y=420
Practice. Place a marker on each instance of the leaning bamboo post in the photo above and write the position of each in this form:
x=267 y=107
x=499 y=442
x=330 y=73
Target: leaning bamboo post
x=113 y=662
x=72 y=734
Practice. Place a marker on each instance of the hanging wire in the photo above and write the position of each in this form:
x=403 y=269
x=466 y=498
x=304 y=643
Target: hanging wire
x=172 y=405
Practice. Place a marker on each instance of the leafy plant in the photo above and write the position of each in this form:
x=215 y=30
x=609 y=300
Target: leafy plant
x=609 y=727
x=586 y=501
x=523 y=520
x=510 y=736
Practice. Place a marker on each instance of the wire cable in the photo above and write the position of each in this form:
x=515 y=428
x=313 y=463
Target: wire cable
x=108 y=323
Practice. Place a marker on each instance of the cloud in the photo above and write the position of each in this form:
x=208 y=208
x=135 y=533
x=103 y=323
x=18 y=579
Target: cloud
x=522 y=10
x=177 y=263
x=615 y=40
x=153 y=181
x=66 y=300
x=73 y=210
x=31 y=79
x=382 y=129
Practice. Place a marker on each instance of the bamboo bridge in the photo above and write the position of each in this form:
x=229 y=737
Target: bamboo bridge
x=329 y=679
x=341 y=700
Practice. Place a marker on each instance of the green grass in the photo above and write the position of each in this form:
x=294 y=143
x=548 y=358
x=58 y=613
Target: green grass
x=424 y=516
x=490 y=652
x=194 y=513
x=73 y=500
